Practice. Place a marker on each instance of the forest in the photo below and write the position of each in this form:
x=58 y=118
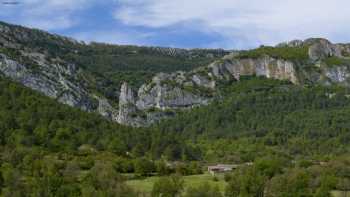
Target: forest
x=297 y=138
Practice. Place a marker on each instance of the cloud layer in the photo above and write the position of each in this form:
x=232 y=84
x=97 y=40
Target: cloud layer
x=45 y=14
x=186 y=23
x=244 y=22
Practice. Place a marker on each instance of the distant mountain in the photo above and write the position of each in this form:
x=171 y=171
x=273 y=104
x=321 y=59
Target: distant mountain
x=156 y=82
x=309 y=62
x=87 y=76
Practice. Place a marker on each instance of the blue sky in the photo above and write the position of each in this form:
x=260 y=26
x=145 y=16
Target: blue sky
x=230 y=24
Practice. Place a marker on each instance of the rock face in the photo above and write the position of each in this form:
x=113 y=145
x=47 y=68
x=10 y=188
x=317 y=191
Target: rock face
x=105 y=108
x=166 y=93
x=319 y=48
x=127 y=109
x=203 y=81
x=338 y=74
x=322 y=48
x=50 y=80
x=186 y=90
x=265 y=66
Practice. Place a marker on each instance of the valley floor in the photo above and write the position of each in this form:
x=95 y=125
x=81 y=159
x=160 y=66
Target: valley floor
x=144 y=186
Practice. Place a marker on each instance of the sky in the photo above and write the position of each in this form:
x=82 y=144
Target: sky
x=229 y=24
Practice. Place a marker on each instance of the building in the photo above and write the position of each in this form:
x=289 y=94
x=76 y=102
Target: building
x=221 y=168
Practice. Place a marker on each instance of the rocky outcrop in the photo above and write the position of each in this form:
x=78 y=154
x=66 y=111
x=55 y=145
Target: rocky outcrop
x=127 y=113
x=105 y=108
x=154 y=100
x=50 y=80
x=265 y=66
x=203 y=81
x=182 y=90
x=166 y=93
x=321 y=48
x=185 y=90
x=339 y=74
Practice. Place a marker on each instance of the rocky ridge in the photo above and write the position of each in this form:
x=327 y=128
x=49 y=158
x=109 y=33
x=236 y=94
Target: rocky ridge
x=186 y=90
x=326 y=64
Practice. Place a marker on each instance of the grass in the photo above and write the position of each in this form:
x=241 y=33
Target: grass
x=286 y=53
x=146 y=185
x=340 y=194
x=336 y=61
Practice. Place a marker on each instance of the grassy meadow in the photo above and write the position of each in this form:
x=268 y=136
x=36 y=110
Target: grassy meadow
x=145 y=185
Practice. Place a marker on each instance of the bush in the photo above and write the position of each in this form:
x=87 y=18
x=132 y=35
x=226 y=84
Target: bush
x=336 y=61
x=168 y=186
x=203 y=190
x=286 y=53
x=144 y=167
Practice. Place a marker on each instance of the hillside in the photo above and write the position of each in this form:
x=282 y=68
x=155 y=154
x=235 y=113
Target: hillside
x=108 y=62
x=87 y=76
x=93 y=119
x=49 y=148
x=310 y=62
x=139 y=86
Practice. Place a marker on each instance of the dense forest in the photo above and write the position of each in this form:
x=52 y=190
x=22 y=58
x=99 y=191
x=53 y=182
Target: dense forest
x=49 y=149
x=287 y=140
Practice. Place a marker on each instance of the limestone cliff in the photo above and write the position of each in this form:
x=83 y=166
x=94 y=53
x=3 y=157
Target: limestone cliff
x=313 y=61
x=265 y=66
x=182 y=90
x=55 y=80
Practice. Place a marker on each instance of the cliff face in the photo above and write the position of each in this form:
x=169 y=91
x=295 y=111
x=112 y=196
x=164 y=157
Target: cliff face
x=56 y=81
x=43 y=70
x=156 y=100
x=186 y=90
x=264 y=66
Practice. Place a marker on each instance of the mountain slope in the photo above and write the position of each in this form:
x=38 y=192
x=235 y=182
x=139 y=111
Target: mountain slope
x=31 y=119
x=284 y=111
x=88 y=76
x=309 y=62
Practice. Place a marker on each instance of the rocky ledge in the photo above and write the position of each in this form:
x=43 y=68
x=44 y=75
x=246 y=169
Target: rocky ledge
x=166 y=93
x=182 y=90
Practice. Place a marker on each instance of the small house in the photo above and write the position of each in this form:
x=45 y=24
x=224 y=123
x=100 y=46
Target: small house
x=221 y=168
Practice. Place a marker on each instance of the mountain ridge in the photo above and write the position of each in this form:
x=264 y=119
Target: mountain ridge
x=54 y=67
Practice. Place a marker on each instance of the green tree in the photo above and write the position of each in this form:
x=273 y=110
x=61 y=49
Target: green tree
x=203 y=190
x=295 y=183
x=168 y=186
x=246 y=183
x=1 y=181
x=104 y=181
x=47 y=180
x=12 y=183
x=162 y=168
x=144 y=166
x=328 y=183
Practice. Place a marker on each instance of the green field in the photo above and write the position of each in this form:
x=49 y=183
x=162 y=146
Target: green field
x=341 y=194
x=145 y=185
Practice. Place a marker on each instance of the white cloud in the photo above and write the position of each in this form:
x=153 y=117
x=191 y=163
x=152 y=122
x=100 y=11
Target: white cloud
x=46 y=14
x=238 y=23
x=244 y=22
